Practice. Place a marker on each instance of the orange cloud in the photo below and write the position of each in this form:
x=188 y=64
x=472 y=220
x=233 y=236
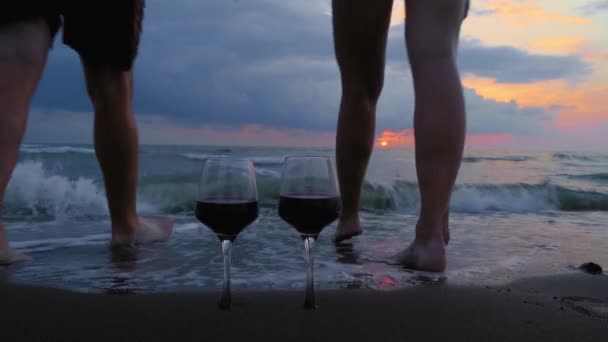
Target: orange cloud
x=539 y=94
x=582 y=104
x=569 y=45
x=157 y=130
x=405 y=138
x=559 y=45
x=396 y=139
x=596 y=57
x=488 y=140
x=531 y=12
x=398 y=14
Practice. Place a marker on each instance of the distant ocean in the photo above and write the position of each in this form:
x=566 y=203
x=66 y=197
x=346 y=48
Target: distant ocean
x=514 y=215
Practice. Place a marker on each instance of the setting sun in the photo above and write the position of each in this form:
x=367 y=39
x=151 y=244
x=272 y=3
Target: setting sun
x=383 y=143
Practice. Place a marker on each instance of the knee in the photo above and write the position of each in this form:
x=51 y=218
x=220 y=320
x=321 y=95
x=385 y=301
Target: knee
x=108 y=87
x=430 y=52
x=426 y=47
x=364 y=93
x=362 y=78
x=433 y=30
x=20 y=67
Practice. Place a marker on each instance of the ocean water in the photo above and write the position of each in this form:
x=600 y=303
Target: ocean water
x=514 y=215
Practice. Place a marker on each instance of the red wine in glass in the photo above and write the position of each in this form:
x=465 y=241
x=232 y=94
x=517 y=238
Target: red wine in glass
x=309 y=213
x=227 y=218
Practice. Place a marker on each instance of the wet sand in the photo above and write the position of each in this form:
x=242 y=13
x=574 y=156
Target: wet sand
x=560 y=308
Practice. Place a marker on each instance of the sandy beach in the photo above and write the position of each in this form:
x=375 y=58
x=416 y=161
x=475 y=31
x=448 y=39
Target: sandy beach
x=561 y=308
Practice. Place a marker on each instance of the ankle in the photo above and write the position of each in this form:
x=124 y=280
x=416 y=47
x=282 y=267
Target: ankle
x=349 y=215
x=125 y=227
x=3 y=238
x=120 y=240
x=429 y=230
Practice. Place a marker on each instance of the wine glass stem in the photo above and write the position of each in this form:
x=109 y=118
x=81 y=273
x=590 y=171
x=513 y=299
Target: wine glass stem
x=226 y=299
x=309 y=301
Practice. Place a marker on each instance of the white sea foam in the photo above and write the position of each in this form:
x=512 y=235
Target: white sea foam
x=35 y=191
x=196 y=156
x=37 y=149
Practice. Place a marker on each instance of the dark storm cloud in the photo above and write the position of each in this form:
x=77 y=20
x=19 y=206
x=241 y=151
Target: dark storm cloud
x=271 y=62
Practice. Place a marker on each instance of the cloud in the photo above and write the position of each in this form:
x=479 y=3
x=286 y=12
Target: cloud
x=398 y=13
x=480 y=12
x=567 y=45
x=590 y=53
x=582 y=104
x=512 y=65
x=526 y=13
x=57 y=126
x=487 y=116
x=270 y=63
x=593 y=7
x=405 y=138
x=401 y=138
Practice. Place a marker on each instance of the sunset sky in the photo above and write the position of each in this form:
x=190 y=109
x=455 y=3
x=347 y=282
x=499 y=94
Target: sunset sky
x=263 y=72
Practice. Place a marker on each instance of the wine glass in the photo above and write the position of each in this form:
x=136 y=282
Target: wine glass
x=309 y=200
x=227 y=202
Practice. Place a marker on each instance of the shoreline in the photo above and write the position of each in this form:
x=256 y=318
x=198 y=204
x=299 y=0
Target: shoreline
x=555 y=308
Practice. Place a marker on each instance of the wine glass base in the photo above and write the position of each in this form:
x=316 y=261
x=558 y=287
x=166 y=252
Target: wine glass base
x=224 y=305
x=225 y=302
x=310 y=306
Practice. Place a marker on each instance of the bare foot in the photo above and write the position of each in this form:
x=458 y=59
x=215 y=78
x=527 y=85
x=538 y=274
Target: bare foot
x=149 y=230
x=157 y=229
x=10 y=256
x=347 y=229
x=427 y=255
x=7 y=254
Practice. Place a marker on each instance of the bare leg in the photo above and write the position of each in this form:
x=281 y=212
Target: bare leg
x=432 y=33
x=360 y=31
x=116 y=146
x=23 y=52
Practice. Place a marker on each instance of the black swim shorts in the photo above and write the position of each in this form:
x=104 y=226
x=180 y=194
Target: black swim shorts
x=103 y=32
